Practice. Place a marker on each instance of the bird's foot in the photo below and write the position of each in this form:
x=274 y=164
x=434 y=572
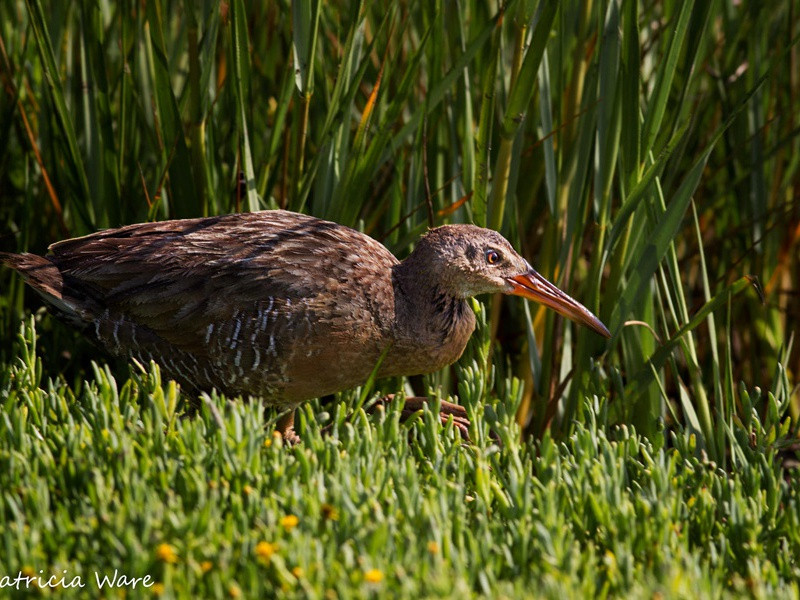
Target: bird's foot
x=290 y=437
x=414 y=404
x=285 y=427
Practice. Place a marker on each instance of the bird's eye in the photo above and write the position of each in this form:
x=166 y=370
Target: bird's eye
x=493 y=257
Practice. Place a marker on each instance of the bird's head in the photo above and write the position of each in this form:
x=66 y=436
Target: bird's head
x=467 y=261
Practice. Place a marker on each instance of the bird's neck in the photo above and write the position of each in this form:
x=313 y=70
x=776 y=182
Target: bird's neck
x=428 y=315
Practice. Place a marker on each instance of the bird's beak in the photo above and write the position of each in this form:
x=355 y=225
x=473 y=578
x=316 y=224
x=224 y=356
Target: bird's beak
x=535 y=287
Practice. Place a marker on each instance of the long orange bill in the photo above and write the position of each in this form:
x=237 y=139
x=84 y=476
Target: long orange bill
x=535 y=287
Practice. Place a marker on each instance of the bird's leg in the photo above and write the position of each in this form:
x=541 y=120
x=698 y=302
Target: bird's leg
x=414 y=404
x=285 y=427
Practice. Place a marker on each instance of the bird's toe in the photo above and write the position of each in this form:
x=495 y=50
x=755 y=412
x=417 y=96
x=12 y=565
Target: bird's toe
x=290 y=437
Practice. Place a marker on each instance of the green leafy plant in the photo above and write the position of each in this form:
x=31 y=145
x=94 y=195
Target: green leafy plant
x=641 y=156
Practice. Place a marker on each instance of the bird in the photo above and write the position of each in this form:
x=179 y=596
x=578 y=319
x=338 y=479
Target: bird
x=279 y=305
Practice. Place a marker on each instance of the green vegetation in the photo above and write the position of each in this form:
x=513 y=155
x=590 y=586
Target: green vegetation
x=645 y=157
x=214 y=506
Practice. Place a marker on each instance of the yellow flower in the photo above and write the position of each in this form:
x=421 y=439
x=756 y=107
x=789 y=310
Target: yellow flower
x=289 y=522
x=157 y=589
x=297 y=572
x=373 y=576
x=267 y=442
x=234 y=591
x=205 y=566
x=329 y=512
x=247 y=490
x=265 y=550
x=433 y=547
x=166 y=553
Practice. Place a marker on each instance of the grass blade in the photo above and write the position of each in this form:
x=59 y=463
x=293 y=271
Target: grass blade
x=73 y=156
x=174 y=152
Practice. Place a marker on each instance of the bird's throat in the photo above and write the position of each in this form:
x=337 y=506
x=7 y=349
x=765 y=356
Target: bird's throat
x=432 y=326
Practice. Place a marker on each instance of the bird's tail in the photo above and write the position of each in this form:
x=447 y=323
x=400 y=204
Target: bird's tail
x=44 y=277
x=39 y=273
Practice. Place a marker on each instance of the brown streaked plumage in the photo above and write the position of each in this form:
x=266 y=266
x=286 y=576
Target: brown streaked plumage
x=280 y=305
